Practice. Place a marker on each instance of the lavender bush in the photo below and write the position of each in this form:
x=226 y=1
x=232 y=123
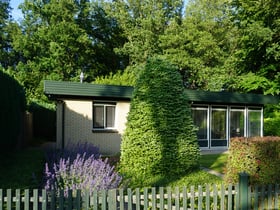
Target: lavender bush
x=83 y=171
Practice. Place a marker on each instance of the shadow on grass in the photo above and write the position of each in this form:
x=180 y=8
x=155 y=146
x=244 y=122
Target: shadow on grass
x=22 y=169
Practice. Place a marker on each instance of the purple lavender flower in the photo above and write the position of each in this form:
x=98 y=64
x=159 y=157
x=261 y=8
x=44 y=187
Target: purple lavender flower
x=80 y=168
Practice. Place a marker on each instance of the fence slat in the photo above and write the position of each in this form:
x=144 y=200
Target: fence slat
x=1 y=199
x=121 y=199
x=222 y=197
x=53 y=200
x=112 y=203
x=44 y=199
x=192 y=198
x=169 y=198
x=9 y=199
x=200 y=197
x=78 y=200
x=154 y=200
x=185 y=198
x=161 y=198
x=146 y=201
x=35 y=199
x=207 y=197
x=215 y=197
x=229 y=207
x=129 y=198
x=18 y=201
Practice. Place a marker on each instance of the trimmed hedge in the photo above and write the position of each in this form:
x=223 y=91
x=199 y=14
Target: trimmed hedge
x=257 y=156
x=12 y=107
x=160 y=138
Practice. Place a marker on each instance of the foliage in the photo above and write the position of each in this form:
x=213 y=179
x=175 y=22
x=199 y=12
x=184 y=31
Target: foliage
x=80 y=167
x=59 y=40
x=257 y=156
x=142 y=22
x=271 y=124
x=159 y=134
x=12 y=106
x=258 y=52
x=126 y=78
x=201 y=44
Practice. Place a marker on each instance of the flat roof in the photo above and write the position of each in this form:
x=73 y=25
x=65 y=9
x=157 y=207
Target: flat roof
x=76 y=90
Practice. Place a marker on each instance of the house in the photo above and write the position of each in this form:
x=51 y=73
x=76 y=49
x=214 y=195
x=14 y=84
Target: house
x=97 y=114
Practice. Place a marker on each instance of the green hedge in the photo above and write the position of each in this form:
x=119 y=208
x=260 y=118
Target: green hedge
x=12 y=107
x=160 y=139
x=257 y=156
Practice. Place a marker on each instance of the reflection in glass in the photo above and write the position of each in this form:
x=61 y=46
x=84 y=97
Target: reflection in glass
x=254 y=123
x=218 y=124
x=236 y=123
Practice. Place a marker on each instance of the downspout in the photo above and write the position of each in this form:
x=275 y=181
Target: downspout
x=63 y=125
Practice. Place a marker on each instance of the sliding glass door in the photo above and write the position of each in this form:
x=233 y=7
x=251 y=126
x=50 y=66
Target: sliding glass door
x=200 y=118
x=219 y=127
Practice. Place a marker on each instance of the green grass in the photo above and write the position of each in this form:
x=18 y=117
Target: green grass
x=216 y=162
x=21 y=169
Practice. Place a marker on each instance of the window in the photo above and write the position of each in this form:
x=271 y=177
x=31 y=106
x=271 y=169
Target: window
x=237 y=122
x=219 y=127
x=200 y=118
x=104 y=115
x=254 y=122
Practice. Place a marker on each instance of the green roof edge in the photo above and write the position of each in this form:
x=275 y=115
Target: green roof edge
x=62 y=89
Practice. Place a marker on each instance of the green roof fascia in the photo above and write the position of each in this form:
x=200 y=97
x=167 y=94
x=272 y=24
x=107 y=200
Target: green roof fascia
x=62 y=89
x=223 y=97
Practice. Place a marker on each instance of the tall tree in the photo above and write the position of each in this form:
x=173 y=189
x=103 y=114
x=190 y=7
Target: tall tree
x=258 y=57
x=143 y=21
x=60 y=39
x=7 y=55
x=201 y=46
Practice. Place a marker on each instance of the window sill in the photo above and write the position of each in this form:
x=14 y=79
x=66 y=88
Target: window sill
x=100 y=130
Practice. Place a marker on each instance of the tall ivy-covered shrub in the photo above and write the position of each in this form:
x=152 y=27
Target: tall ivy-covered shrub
x=12 y=106
x=160 y=138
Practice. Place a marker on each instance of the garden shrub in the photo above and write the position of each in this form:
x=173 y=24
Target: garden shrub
x=80 y=167
x=12 y=107
x=257 y=156
x=160 y=138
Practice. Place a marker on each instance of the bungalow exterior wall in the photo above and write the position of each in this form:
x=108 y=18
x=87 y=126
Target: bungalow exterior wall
x=77 y=118
x=75 y=124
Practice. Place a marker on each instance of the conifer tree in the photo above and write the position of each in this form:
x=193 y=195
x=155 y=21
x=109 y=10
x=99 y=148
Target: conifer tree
x=159 y=140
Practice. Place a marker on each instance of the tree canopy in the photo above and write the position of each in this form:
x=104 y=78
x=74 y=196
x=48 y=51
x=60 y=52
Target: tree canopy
x=215 y=45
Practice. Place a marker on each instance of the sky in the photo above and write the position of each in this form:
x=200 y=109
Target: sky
x=16 y=13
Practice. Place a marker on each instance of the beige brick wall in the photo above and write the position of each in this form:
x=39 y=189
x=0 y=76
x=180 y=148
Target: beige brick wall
x=78 y=126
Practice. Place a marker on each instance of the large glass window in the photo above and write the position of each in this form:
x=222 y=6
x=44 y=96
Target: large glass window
x=237 y=122
x=254 y=122
x=219 y=127
x=200 y=121
x=104 y=115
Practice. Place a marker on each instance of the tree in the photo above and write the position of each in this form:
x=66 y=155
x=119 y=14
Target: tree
x=159 y=140
x=60 y=39
x=259 y=50
x=7 y=54
x=142 y=22
x=202 y=44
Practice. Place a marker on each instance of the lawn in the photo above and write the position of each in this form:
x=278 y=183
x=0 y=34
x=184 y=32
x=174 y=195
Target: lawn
x=23 y=169
x=216 y=162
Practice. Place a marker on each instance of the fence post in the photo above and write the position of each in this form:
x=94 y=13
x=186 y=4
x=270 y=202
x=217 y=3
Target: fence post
x=243 y=191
